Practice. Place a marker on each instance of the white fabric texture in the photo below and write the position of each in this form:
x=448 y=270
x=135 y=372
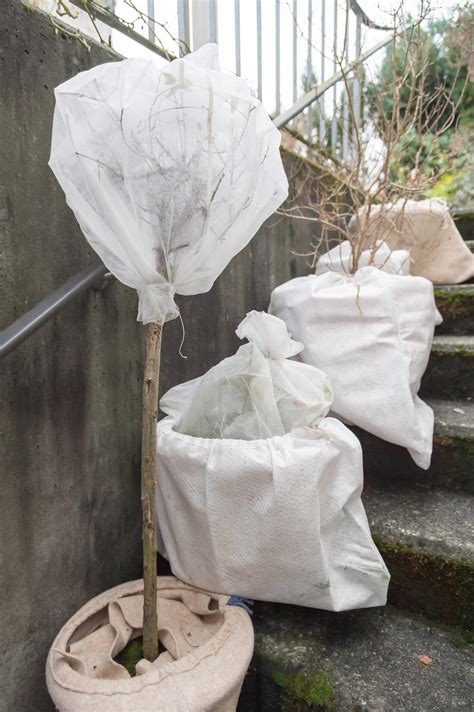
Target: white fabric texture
x=256 y=393
x=208 y=645
x=425 y=228
x=371 y=332
x=278 y=519
x=340 y=259
x=170 y=171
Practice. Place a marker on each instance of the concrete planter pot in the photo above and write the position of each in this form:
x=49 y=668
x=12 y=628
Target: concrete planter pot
x=208 y=649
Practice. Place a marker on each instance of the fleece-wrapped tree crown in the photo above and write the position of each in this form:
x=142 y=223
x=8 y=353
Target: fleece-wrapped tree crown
x=170 y=171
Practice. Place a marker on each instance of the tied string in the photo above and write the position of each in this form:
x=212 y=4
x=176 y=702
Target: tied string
x=184 y=335
x=156 y=303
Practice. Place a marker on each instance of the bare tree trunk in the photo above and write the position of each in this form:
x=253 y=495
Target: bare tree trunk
x=150 y=416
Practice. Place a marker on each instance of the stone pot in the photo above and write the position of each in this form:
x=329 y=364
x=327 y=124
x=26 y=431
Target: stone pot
x=208 y=646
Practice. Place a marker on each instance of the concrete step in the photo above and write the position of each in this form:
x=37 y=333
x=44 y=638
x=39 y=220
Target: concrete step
x=456 y=304
x=452 y=462
x=356 y=661
x=426 y=538
x=464 y=220
x=450 y=372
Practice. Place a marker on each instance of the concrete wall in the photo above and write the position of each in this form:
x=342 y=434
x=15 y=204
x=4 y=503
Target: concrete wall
x=70 y=396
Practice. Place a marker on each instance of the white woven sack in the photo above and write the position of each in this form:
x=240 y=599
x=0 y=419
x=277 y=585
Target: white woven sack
x=371 y=332
x=278 y=519
x=424 y=228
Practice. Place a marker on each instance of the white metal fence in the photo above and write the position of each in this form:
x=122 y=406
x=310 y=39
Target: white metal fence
x=282 y=47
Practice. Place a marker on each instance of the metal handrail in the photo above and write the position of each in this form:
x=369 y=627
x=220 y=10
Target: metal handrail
x=115 y=23
x=316 y=92
x=365 y=19
x=33 y=319
x=42 y=312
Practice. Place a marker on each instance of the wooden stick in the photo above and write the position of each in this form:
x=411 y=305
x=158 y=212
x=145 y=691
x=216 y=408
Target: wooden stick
x=150 y=417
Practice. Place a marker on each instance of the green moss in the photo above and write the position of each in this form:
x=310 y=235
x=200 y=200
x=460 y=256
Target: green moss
x=131 y=655
x=455 y=455
x=454 y=295
x=450 y=350
x=463 y=443
x=306 y=692
x=439 y=587
x=463 y=638
x=455 y=303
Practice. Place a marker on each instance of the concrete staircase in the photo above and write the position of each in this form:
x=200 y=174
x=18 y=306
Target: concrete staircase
x=422 y=523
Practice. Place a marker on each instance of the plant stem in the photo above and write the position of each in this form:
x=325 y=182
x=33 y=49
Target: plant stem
x=150 y=416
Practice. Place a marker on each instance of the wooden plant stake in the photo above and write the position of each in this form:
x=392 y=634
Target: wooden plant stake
x=148 y=487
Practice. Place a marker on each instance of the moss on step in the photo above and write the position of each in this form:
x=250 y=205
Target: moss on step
x=439 y=587
x=454 y=303
x=462 y=442
x=450 y=350
x=305 y=692
x=463 y=638
x=456 y=460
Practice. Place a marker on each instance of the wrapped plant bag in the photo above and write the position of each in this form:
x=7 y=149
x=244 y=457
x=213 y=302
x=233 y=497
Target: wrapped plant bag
x=372 y=333
x=254 y=394
x=170 y=171
x=425 y=228
x=340 y=259
x=276 y=518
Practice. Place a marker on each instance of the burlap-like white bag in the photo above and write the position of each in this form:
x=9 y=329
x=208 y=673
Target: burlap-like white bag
x=371 y=332
x=208 y=649
x=424 y=228
x=278 y=519
x=258 y=494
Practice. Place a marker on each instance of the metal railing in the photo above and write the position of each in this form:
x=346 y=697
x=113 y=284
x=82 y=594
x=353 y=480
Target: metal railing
x=33 y=319
x=42 y=312
x=323 y=36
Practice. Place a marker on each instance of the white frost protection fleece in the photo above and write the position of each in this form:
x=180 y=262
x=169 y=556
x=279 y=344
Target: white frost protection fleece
x=278 y=519
x=170 y=171
x=371 y=332
x=256 y=393
x=340 y=259
x=258 y=494
x=425 y=228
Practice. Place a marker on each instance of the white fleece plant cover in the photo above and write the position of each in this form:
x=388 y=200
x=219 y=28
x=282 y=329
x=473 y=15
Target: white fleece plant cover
x=371 y=332
x=341 y=259
x=424 y=228
x=257 y=393
x=277 y=519
x=207 y=645
x=266 y=504
x=170 y=171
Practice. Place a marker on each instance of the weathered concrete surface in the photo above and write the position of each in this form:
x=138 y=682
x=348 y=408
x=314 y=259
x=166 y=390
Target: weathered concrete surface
x=367 y=660
x=450 y=371
x=70 y=395
x=452 y=461
x=456 y=304
x=427 y=541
